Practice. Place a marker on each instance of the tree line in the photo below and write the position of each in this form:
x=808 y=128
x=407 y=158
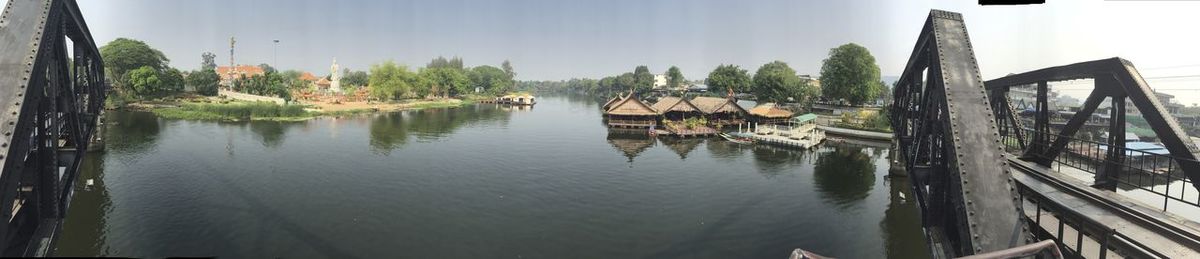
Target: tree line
x=849 y=75
x=441 y=77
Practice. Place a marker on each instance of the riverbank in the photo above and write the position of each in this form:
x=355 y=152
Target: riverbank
x=217 y=109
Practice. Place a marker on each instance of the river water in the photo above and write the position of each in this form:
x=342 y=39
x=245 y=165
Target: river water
x=481 y=181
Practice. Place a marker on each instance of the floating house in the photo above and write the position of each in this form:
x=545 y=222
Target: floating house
x=516 y=99
x=720 y=111
x=629 y=112
x=769 y=113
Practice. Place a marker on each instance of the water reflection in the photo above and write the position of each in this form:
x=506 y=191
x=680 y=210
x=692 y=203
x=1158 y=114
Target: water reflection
x=389 y=131
x=131 y=132
x=772 y=160
x=901 y=226
x=844 y=175
x=87 y=230
x=271 y=133
x=724 y=150
x=681 y=146
x=630 y=143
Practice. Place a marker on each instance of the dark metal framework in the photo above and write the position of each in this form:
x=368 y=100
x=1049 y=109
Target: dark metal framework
x=52 y=89
x=1118 y=81
x=943 y=120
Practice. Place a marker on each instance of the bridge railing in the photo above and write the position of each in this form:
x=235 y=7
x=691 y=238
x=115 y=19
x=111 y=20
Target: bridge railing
x=1071 y=230
x=1147 y=170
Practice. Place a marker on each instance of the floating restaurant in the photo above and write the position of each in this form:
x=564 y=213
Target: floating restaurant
x=629 y=112
x=682 y=118
x=513 y=99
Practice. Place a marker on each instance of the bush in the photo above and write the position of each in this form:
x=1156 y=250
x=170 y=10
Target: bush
x=694 y=122
x=248 y=110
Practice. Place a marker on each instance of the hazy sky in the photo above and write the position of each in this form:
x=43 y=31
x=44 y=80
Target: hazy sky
x=561 y=39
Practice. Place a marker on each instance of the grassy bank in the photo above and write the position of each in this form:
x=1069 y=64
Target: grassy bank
x=266 y=111
x=237 y=111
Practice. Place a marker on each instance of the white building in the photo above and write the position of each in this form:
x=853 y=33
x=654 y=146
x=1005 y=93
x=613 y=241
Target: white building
x=660 y=80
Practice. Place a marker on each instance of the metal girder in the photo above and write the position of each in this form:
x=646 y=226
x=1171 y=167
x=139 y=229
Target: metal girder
x=962 y=183
x=1118 y=79
x=50 y=98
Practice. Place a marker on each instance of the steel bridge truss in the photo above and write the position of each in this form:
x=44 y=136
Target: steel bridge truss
x=1116 y=80
x=954 y=132
x=948 y=139
x=52 y=90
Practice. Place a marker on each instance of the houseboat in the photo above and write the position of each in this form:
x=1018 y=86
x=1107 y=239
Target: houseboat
x=515 y=99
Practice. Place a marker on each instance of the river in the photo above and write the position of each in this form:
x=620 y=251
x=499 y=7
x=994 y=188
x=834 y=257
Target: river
x=481 y=181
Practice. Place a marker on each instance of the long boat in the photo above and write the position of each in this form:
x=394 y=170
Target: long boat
x=736 y=139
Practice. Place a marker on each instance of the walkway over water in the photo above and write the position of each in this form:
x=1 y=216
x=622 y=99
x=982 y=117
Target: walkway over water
x=974 y=163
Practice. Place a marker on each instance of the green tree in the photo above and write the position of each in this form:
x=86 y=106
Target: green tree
x=143 y=81
x=726 y=77
x=204 y=81
x=776 y=82
x=850 y=74
x=508 y=70
x=674 y=77
x=491 y=79
x=355 y=78
x=446 y=81
x=442 y=62
x=172 y=82
x=643 y=80
x=149 y=82
x=388 y=81
x=124 y=55
x=267 y=68
x=209 y=61
x=625 y=82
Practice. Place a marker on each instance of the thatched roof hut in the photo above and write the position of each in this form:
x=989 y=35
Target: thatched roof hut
x=610 y=102
x=711 y=105
x=631 y=106
x=674 y=104
x=769 y=113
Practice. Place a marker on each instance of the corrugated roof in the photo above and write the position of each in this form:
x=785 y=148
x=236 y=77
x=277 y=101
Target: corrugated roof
x=804 y=118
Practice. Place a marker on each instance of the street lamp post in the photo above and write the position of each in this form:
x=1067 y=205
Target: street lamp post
x=276 y=51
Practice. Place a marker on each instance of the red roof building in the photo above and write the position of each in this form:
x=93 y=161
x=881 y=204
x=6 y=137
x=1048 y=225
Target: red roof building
x=229 y=74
